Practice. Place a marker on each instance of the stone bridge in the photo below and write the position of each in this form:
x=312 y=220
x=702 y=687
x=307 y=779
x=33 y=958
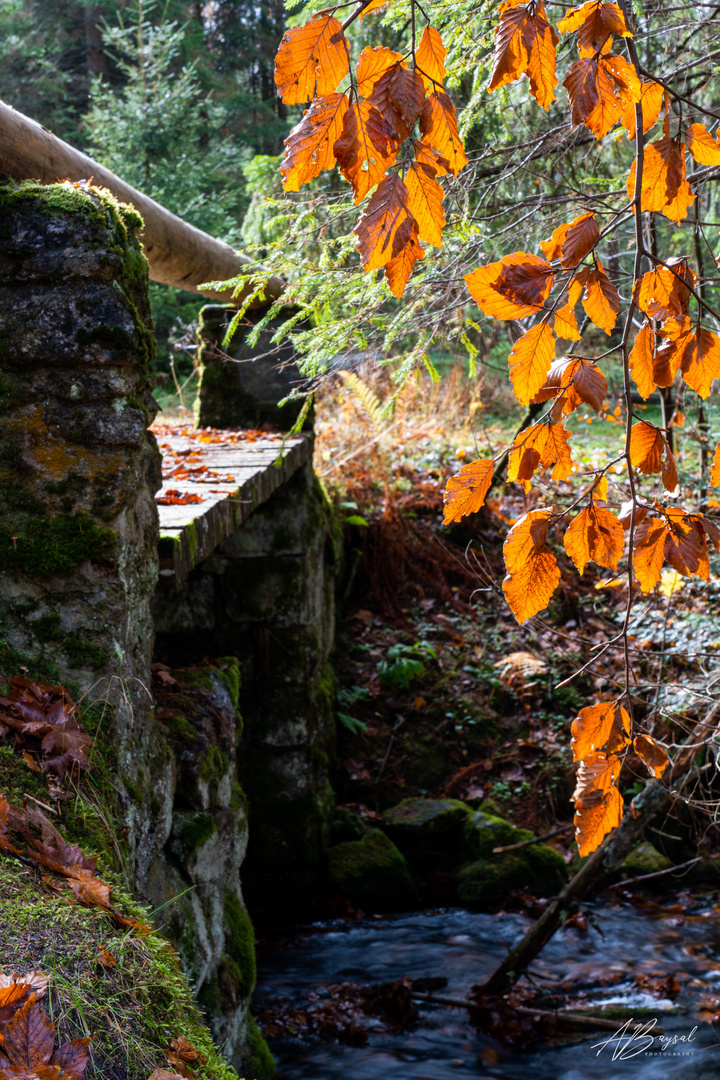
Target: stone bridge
x=183 y=575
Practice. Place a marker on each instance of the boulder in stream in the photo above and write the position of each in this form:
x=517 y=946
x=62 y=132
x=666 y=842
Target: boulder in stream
x=372 y=872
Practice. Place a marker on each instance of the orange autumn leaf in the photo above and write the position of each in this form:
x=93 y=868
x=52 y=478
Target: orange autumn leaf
x=309 y=146
x=595 y=535
x=430 y=58
x=532 y=570
x=399 y=95
x=387 y=225
x=543 y=445
x=312 y=60
x=595 y=725
x=438 y=127
x=703 y=146
x=651 y=99
x=374 y=5
x=572 y=242
x=678 y=538
x=426 y=197
x=365 y=149
x=565 y=322
x=650 y=453
x=572 y=382
x=466 y=490
x=642 y=358
x=512 y=288
x=599 y=90
x=664 y=185
x=652 y=754
x=598 y=802
x=372 y=64
x=700 y=362
x=600 y=299
x=664 y=291
x=426 y=155
x=525 y=45
x=530 y=361
x=596 y=22
x=399 y=269
x=715 y=474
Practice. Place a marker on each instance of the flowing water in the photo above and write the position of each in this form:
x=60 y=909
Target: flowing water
x=464 y=946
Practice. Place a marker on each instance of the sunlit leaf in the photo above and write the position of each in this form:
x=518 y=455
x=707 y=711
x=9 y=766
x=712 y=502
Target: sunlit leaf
x=593 y=726
x=312 y=60
x=532 y=570
x=530 y=361
x=466 y=490
x=595 y=535
x=652 y=754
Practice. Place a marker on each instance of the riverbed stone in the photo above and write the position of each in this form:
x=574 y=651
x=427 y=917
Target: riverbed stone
x=372 y=873
x=421 y=819
x=644 y=859
x=483 y=832
x=485 y=883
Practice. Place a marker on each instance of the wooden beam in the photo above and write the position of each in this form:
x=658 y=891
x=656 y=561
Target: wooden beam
x=178 y=253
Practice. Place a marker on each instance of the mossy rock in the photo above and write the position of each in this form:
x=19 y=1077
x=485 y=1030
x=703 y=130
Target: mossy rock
x=346 y=825
x=372 y=872
x=131 y=1011
x=485 y=883
x=483 y=832
x=644 y=859
x=421 y=819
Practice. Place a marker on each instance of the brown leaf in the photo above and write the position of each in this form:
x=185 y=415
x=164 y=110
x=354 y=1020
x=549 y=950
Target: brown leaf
x=512 y=288
x=372 y=63
x=664 y=186
x=426 y=197
x=600 y=299
x=650 y=453
x=700 y=362
x=715 y=474
x=642 y=361
x=596 y=22
x=540 y=444
x=572 y=242
x=597 y=535
x=593 y=97
x=399 y=269
x=525 y=44
x=309 y=146
x=29 y=1037
x=530 y=361
x=399 y=95
x=438 y=127
x=365 y=149
x=703 y=146
x=387 y=225
x=532 y=570
x=466 y=490
x=312 y=60
x=186 y=1051
x=598 y=803
x=430 y=58
x=92 y=893
x=664 y=292
x=652 y=754
x=573 y=382
x=72 y=1058
x=593 y=726
x=651 y=99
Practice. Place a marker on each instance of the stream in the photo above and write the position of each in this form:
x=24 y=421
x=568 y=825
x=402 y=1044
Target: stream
x=621 y=943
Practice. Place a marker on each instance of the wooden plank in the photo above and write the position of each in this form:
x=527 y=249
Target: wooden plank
x=248 y=476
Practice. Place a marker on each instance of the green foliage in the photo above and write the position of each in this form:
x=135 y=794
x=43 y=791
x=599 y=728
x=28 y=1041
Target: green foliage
x=404 y=663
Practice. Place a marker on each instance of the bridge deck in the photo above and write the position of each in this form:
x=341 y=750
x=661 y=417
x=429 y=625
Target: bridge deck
x=212 y=480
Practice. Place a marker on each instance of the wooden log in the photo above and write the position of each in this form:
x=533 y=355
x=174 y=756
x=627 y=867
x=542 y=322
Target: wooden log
x=614 y=848
x=578 y=1020
x=178 y=253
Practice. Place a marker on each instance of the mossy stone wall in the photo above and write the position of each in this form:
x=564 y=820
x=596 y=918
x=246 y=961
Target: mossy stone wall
x=267 y=596
x=241 y=384
x=79 y=468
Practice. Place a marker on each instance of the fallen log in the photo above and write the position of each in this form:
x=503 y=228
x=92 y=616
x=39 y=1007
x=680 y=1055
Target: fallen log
x=616 y=846
x=577 y=1020
x=178 y=253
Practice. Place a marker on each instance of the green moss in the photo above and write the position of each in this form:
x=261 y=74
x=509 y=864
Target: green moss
x=82 y=654
x=372 y=872
x=133 y=1010
x=196 y=831
x=180 y=727
x=260 y=1064
x=54 y=545
x=14 y=496
x=214 y=764
x=238 y=799
x=487 y=882
x=47 y=627
x=240 y=943
x=10 y=453
x=229 y=667
x=37 y=667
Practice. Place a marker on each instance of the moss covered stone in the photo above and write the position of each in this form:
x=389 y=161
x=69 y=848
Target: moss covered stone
x=483 y=832
x=240 y=943
x=260 y=1062
x=346 y=825
x=372 y=872
x=487 y=882
x=420 y=819
x=644 y=859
